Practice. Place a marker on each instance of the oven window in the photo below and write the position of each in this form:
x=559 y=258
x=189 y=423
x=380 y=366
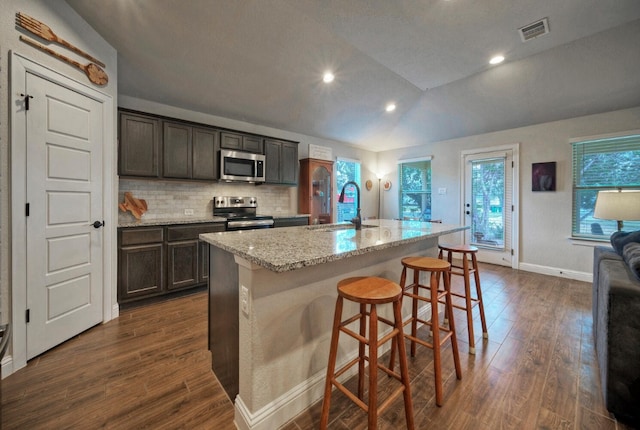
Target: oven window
x=239 y=167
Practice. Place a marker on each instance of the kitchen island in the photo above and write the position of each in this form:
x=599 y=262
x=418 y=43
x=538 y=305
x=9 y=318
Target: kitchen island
x=272 y=294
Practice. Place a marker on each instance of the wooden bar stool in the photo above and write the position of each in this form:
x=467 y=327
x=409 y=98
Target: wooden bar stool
x=368 y=291
x=435 y=266
x=470 y=301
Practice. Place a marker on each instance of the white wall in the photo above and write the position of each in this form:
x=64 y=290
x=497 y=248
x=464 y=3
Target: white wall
x=545 y=223
x=67 y=24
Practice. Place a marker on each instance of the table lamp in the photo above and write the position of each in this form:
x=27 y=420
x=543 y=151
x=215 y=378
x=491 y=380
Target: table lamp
x=619 y=205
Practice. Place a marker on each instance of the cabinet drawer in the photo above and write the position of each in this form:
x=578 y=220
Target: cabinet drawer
x=139 y=236
x=187 y=232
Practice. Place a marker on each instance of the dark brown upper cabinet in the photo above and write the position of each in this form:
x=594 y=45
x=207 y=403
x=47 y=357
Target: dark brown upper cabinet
x=189 y=152
x=139 y=145
x=281 y=164
x=205 y=145
x=157 y=147
x=177 y=151
x=241 y=142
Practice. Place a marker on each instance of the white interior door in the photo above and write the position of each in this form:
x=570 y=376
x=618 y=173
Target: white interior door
x=489 y=204
x=63 y=192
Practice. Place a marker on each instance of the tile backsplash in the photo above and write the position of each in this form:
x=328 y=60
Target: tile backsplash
x=167 y=199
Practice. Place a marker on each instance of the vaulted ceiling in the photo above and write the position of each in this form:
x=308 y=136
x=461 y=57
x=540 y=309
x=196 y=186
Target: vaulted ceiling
x=262 y=61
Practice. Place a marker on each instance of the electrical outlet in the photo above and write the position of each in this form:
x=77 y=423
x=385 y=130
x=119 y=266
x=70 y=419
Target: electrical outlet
x=442 y=191
x=188 y=211
x=244 y=299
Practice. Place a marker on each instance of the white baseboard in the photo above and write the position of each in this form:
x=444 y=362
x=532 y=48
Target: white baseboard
x=554 y=271
x=296 y=400
x=7 y=366
x=115 y=311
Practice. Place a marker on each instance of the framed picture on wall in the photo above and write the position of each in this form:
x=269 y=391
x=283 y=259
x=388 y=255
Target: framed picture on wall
x=543 y=176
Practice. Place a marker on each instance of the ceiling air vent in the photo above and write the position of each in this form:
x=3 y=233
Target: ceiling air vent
x=533 y=30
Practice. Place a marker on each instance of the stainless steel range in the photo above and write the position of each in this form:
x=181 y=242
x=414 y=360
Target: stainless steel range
x=241 y=213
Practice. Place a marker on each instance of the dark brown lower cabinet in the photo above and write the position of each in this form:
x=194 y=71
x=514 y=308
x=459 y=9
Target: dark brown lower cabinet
x=182 y=264
x=203 y=261
x=291 y=221
x=141 y=273
x=140 y=262
x=159 y=260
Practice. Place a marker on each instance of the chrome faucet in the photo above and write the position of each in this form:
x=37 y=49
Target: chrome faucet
x=357 y=221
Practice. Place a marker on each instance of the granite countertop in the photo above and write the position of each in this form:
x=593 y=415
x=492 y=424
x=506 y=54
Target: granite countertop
x=192 y=220
x=291 y=248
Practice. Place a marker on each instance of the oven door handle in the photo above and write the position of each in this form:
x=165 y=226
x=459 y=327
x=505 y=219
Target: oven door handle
x=250 y=223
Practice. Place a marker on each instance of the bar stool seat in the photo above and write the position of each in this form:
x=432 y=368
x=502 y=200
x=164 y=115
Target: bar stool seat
x=434 y=296
x=368 y=292
x=469 y=301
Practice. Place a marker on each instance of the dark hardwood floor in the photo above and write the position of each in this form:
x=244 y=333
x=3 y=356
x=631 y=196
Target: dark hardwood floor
x=150 y=368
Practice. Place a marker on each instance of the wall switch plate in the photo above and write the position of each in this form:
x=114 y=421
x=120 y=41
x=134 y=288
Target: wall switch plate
x=442 y=191
x=188 y=211
x=244 y=299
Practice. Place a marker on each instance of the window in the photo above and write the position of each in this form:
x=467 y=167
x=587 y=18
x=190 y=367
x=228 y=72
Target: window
x=415 y=189
x=602 y=164
x=347 y=170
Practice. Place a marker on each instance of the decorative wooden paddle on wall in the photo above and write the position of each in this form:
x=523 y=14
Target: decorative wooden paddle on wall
x=45 y=32
x=137 y=207
x=94 y=72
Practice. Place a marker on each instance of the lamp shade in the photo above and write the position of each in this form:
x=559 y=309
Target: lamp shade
x=618 y=205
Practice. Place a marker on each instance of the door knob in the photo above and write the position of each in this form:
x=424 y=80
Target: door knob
x=98 y=224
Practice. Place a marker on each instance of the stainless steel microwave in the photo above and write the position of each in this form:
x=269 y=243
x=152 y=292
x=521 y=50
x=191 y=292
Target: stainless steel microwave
x=241 y=166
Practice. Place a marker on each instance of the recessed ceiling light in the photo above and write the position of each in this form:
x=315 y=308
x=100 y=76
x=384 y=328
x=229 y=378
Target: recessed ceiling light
x=328 y=77
x=497 y=59
x=390 y=107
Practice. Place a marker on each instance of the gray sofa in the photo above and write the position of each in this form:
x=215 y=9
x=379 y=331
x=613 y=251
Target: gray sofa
x=616 y=328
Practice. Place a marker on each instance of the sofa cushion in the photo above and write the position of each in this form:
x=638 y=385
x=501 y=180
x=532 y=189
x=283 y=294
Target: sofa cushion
x=620 y=238
x=631 y=256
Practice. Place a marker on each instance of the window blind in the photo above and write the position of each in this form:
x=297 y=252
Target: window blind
x=601 y=164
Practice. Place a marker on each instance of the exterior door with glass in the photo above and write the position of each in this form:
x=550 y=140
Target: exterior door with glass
x=489 y=205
